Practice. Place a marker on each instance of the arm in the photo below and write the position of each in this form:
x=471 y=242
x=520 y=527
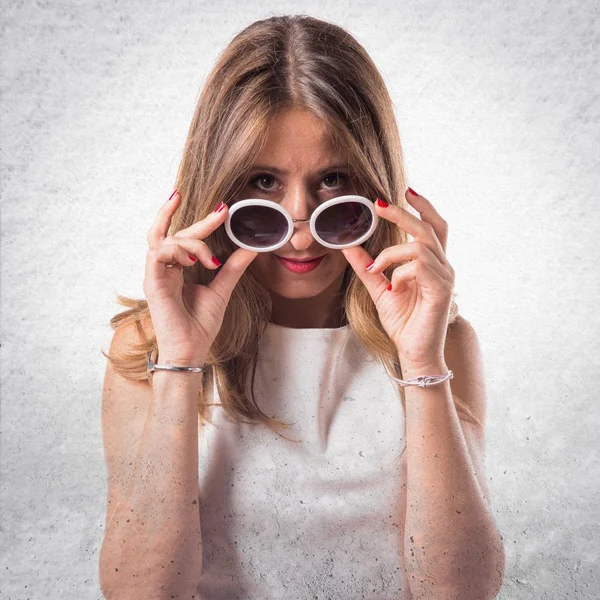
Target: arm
x=453 y=548
x=152 y=546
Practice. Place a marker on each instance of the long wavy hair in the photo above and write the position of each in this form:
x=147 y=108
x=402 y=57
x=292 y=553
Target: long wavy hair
x=274 y=64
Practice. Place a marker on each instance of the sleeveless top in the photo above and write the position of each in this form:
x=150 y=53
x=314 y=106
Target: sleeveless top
x=321 y=518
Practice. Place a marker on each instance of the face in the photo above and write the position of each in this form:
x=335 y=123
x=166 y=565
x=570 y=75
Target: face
x=297 y=146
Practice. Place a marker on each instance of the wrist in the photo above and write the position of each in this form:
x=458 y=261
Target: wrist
x=411 y=370
x=169 y=360
x=175 y=365
x=177 y=378
x=167 y=377
x=177 y=359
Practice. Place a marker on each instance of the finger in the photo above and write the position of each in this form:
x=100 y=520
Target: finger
x=197 y=248
x=422 y=273
x=203 y=228
x=160 y=228
x=157 y=259
x=420 y=230
x=359 y=258
x=415 y=250
x=430 y=215
x=231 y=271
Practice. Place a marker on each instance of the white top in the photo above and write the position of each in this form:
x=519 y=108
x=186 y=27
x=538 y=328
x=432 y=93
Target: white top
x=323 y=518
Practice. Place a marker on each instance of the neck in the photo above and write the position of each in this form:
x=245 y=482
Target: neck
x=321 y=311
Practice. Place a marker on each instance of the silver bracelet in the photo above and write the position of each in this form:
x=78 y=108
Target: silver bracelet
x=154 y=367
x=424 y=380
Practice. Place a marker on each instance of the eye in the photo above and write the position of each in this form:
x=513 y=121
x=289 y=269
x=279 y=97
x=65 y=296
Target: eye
x=339 y=176
x=261 y=177
x=259 y=180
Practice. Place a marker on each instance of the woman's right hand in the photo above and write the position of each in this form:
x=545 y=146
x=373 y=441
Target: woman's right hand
x=187 y=317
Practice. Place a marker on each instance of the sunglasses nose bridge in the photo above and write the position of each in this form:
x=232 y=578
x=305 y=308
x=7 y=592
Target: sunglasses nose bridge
x=297 y=231
x=257 y=226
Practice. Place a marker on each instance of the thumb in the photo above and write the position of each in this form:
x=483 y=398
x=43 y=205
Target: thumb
x=359 y=258
x=231 y=271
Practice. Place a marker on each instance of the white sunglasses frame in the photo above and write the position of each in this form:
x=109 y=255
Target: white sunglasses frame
x=290 y=221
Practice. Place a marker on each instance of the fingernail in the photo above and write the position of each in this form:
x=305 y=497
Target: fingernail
x=218 y=207
x=216 y=261
x=192 y=257
x=390 y=286
x=412 y=192
x=382 y=203
x=173 y=194
x=370 y=265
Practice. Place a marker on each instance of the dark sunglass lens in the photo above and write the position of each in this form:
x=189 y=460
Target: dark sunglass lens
x=344 y=223
x=258 y=226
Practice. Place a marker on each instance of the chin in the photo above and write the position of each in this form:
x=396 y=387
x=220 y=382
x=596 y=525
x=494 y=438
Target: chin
x=298 y=290
x=278 y=281
x=295 y=288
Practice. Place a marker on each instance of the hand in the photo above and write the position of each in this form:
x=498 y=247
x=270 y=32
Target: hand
x=415 y=312
x=187 y=317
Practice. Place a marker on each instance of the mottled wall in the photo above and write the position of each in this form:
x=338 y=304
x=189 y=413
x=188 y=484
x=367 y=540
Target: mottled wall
x=498 y=110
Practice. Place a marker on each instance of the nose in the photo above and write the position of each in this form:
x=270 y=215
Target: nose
x=302 y=238
x=300 y=206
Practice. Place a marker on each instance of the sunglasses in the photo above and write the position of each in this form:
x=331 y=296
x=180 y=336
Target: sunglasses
x=264 y=226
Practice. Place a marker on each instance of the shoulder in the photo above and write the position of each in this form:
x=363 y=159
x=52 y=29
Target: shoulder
x=463 y=356
x=130 y=334
x=461 y=336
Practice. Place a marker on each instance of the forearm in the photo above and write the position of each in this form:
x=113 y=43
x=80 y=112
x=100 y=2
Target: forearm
x=152 y=546
x=452 y=546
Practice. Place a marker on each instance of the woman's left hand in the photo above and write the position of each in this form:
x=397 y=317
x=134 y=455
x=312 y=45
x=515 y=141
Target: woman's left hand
x=414 y=313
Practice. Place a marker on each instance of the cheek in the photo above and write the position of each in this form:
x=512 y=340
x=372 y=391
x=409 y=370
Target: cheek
x=338 y=261
x=259 y=264
x=262 y=267
x=334 y=268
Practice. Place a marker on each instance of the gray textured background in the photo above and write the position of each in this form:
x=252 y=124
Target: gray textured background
x=498 y=111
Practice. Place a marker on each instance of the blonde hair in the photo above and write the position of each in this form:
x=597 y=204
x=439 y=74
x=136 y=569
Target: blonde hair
x=274 y=64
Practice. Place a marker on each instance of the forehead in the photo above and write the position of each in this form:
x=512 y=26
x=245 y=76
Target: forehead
x=296 y=139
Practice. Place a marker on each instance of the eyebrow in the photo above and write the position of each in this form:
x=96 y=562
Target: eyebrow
x=327 y=169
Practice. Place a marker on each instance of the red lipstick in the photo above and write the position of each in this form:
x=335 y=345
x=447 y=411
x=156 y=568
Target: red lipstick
x=300 y=267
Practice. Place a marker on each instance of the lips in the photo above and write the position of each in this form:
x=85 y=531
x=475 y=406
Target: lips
x=299 y=259
x=300 y=266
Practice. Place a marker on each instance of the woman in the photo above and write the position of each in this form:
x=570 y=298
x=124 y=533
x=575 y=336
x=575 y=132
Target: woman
x=379 y=488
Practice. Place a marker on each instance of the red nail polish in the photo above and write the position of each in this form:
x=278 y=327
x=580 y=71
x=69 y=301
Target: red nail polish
x=216 y=261
x=390 y=287
x=370 y=265
x=173 y=194
x=412 y=192
x=382 y=203
x=192 y=257
x=218 y=207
